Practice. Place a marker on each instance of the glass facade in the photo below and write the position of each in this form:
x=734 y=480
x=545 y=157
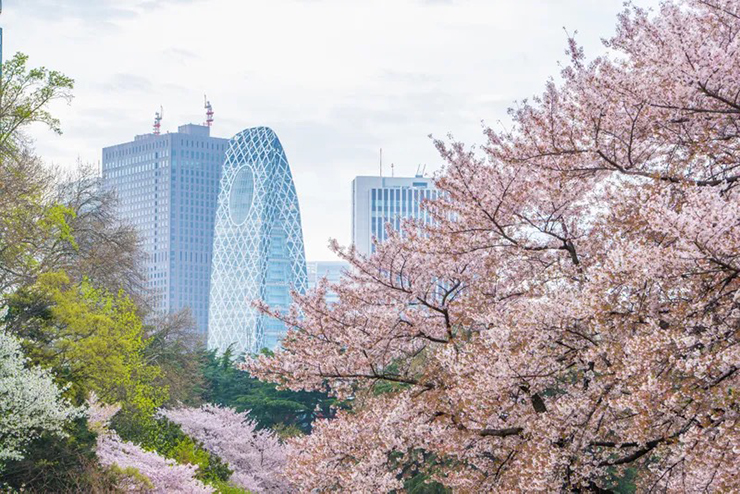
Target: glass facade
x=258 y=251
x=167 y=187
x=333 y=271
x=378 y=201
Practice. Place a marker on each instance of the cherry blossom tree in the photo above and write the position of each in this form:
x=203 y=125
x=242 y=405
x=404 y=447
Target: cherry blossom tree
x=256 y=456
x=139 y=469
x=30 y=401
x=574 y=311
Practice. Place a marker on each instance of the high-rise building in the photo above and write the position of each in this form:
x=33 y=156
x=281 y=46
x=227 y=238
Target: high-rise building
x=377 y=201
x=331 y=270
x=258 y=251
x=167 y=187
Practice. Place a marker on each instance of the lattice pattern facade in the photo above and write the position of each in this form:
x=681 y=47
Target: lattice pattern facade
x=258 y=251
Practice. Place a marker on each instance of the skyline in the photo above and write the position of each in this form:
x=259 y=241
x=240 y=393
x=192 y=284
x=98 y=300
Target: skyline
x=349 y=88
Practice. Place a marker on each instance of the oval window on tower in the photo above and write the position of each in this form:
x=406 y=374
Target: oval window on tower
x=240 y=198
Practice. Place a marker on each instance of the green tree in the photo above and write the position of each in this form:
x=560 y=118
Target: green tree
x=30 y=223
x=32 y=229
x=227 y=385
x=25 y=95
x=59 y=464
x=166 y=438
x=78 y=325
x=177 y=351
x=89 y=337
x=106 y=248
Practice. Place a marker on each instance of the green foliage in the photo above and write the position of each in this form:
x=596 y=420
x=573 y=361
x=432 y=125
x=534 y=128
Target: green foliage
x=384 y=387
x=56 y=222
x=88 y=337
x=622 y=481
x=24 y=97
x=186 y=451
x=287 y=431
x=227 y=488
x=34 y=231
x=270 y=407
x=130 y=475
x=168 y=439
x=54 y=464
x=173 y=347
x=420 y=484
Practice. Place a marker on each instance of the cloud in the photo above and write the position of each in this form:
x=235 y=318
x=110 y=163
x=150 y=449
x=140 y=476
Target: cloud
x=403 y=76
x=156 y=4
x=119 y=83
x=180 y=55
x=77 y=9
x=337 y=80
x=92 y=10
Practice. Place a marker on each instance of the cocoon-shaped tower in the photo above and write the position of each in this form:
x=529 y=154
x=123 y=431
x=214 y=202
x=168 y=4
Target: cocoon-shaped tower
x=258 y=251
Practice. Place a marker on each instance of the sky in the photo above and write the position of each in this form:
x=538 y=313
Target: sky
x=336 y=79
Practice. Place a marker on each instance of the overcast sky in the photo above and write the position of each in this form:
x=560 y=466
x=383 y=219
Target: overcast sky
x=336 y=79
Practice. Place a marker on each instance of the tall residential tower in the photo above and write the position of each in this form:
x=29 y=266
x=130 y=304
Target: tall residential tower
x=167 y=187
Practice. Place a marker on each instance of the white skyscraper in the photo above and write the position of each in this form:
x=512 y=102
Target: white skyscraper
x=380 y=200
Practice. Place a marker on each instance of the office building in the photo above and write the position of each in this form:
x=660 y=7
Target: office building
x=167 y=186
x=331 y=270
x=258 y=251
x=377 y=201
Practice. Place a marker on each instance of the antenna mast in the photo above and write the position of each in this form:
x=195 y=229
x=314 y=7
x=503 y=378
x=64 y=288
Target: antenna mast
x=209 y=111
x=158 y=120
x=381 y=162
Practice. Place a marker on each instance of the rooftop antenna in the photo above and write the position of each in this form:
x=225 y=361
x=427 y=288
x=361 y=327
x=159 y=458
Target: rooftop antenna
x=381 y=162
x=158 y=120
x=393 y=170
x=209 y=111
x=424 y=170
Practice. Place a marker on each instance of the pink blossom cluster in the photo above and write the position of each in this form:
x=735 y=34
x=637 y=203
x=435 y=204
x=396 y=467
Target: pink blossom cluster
x=256 y=456
x=165 y=475
x=574 y=311
x=139 y=469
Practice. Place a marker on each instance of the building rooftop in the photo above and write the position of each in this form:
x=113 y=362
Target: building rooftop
x=194 y=130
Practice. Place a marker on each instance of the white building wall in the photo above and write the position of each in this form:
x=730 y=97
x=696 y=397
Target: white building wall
x=380 y=200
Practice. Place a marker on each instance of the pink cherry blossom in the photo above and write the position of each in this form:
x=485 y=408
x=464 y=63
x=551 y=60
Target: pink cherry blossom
x=153 y=472
x=256 y=456
x=574 y=309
